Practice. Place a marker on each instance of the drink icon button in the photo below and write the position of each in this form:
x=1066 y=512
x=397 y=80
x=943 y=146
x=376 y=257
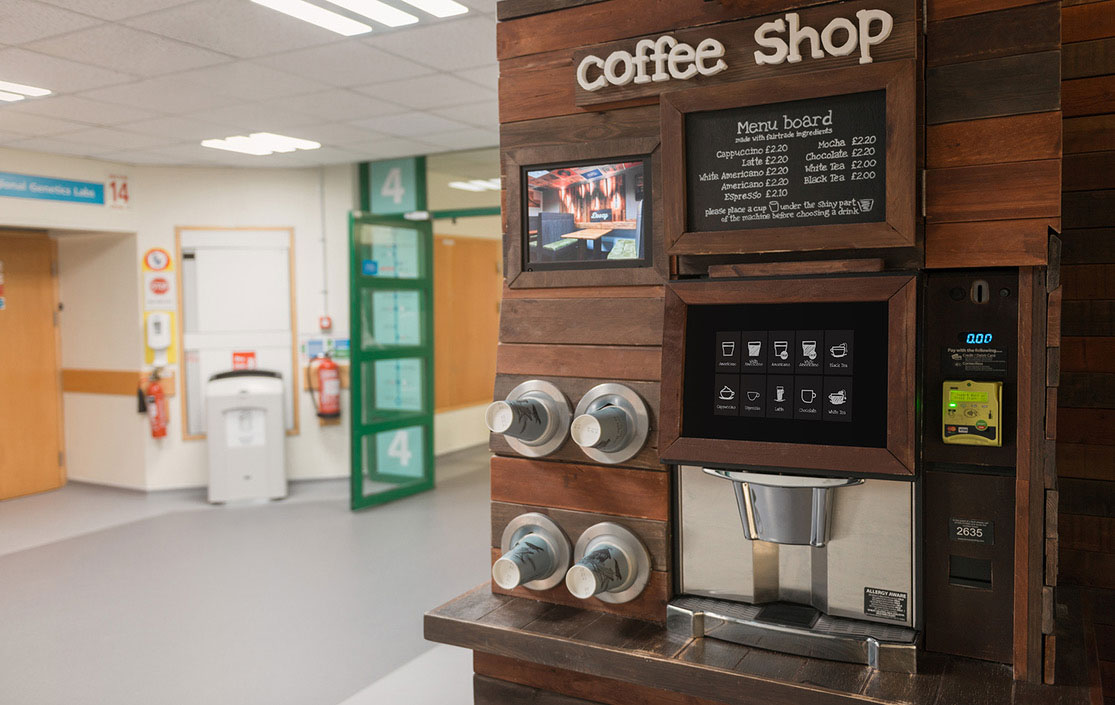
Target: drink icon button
x=781 y=349
x=780 y=393
x=728 y=348
x=753 y=395
x=839 y=397
x=809 y=349
x=727 y=393
x=754 y=347
x=808 y=396
x=839 y=350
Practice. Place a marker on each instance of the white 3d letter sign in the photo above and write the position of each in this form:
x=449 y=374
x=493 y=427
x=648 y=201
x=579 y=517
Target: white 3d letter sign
x=668 y=58
x=782 y=41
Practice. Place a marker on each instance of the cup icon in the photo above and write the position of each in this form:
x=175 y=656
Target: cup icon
x=837 y=398
x=727 y=393
x=754 y=347
x=752 y=395
x=809 y=349
x=780 y=393
x=728 y=348
x=839 y=350
x=808 y=396
x=781 y=349
x=866 y=204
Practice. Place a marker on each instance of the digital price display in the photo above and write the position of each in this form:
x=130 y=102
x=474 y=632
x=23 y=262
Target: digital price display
x=955 y=396
x=976 y=338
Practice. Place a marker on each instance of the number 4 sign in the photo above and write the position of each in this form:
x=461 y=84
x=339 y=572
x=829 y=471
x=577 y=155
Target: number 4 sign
x=116 y=192
x=397 y=186
x=399 y=452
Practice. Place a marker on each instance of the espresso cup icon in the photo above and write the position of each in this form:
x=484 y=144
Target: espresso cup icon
x=752 y=396
x=808 y=396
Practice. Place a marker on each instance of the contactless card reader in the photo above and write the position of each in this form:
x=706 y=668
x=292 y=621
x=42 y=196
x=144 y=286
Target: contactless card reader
x=972 y=413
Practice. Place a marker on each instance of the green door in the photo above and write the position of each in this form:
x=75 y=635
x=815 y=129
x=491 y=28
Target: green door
x=392 y=380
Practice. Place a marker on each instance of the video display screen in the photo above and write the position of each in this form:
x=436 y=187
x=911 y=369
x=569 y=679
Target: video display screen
x=787 y=373
x=587 y=215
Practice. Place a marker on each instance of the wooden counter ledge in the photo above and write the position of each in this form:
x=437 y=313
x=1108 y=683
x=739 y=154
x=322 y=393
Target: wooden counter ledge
x=542 y=648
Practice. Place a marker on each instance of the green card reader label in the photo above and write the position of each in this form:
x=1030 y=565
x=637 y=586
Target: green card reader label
x=971 y=413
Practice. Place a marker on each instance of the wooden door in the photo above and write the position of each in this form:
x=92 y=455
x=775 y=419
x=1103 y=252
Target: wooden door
x=30 y=393
x=467 y=283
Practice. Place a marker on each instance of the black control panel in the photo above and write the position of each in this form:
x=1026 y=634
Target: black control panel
x=970 y=334
x=788 y=373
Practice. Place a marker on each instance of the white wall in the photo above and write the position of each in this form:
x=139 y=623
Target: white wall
x=315 y=202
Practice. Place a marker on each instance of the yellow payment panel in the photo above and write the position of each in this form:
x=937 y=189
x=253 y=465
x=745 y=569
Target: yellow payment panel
x=972 y=413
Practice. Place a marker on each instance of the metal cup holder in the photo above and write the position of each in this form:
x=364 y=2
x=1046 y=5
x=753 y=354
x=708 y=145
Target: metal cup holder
x=612 y=565
x=534 y=418
x=611 y=423
x=786 y=509
x=535 y=553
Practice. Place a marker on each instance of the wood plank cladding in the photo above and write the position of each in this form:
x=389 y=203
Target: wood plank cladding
x=1089 y=171
x=739 y=56
x=582 y=321
x=1016 y=138
x=1022 y=30
x=1026 y=83
x=994 y=192
x=584 y=488
x=1083 y=59
x=944 y=9
x=1091 y=21
x=1088 y=96
x=987 y=243
x=511 y=9
x=605 y=361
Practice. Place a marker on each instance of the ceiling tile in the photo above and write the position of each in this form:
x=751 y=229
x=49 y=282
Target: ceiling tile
x=124 y=49
x=52 y=73
x=346 y=63
x=24 y=21
x=142 y=156
x=488 y=6
x=93 y=112
x=437 y=91
x=336 y=105
x=470 y=138
x=115 y=9
x=35 y=125
x=178 y=129
x=449 y=46
x=410 y=124
x=485 y=114
x=110 y=139
x=253 y=117
x=487 y=76
x=56 y=146
x=161 y=95
x=248 y=81
x=337 y=133
x=235 y=27
x=188 y=154
x=388 y=149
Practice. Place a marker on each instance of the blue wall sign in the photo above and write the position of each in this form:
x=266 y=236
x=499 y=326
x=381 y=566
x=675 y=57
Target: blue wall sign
x=46 y=188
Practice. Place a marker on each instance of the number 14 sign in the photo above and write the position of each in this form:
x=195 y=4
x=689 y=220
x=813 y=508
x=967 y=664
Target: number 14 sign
x=116 y=192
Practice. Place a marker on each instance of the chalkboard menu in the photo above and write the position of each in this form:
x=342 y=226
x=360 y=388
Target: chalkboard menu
x=819 y=161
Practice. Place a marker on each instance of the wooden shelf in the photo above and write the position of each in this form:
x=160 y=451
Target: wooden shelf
x=643 y=653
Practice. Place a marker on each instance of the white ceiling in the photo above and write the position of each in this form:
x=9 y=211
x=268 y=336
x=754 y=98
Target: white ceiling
x=144 y=81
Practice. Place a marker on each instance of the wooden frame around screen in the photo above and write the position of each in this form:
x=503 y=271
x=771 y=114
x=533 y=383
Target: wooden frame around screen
x=897 y=458
x=603 y=151
x=897 y=78
x=295 y=368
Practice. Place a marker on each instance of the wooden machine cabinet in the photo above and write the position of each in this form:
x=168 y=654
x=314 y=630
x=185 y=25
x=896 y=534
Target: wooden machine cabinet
x=953 y=109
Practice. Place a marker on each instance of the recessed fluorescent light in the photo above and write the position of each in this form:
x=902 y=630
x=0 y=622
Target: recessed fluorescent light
x=378 y=11
x=477 y=185
x=260 y=144
x=318 y=16
x=466 y=186
x=439 y=8
x=25 y=90
x=10 y=97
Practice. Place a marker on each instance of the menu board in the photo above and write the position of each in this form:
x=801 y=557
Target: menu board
x=788 y=373
x=820 y=161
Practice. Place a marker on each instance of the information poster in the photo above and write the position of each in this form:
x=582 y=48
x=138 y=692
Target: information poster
x=396 y=318
x=820 y=161
x=393 y=252
x=398 y=384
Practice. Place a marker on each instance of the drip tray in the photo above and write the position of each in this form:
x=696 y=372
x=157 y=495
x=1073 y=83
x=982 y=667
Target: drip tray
x=797 y=629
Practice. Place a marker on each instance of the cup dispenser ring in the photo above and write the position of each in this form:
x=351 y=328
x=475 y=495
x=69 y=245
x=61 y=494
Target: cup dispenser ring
x=534 y=418
x=612 y=565
x=535 y=553
x=611 y=423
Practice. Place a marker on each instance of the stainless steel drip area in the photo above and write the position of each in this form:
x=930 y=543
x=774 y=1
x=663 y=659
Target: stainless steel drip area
x=818 y=566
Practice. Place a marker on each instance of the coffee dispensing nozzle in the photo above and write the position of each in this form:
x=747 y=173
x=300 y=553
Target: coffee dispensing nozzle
x=534 y=418
x=612 y=565
x=611 y=423
x=535 y=554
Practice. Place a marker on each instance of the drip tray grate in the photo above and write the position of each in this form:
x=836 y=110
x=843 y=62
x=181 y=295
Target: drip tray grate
x=797 y=629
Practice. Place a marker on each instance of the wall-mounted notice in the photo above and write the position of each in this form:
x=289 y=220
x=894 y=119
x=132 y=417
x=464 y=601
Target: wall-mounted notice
x=159 y=292
x=820 y=161
x=50 y=189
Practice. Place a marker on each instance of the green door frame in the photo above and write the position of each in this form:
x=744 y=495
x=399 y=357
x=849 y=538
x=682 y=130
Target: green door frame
x=366 y=436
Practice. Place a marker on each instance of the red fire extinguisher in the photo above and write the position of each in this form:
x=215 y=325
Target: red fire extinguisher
x=156 y=406
x=325 y=375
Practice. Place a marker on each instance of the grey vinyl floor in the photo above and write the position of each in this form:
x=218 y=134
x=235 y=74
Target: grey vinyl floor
x=117 y=597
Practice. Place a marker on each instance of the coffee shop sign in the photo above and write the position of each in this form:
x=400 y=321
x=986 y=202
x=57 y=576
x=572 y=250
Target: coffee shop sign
x=781 y=41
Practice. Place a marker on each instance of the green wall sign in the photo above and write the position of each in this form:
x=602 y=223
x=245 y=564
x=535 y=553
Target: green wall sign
x=394 y=186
